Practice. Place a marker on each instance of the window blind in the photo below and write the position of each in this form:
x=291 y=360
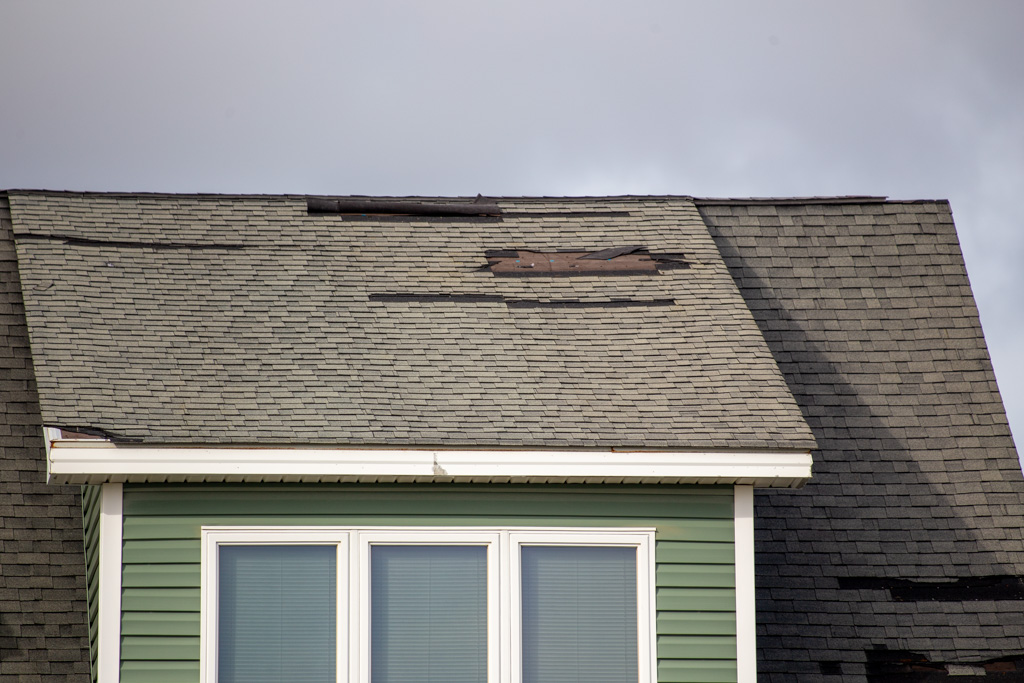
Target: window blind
x=428 y=614
x=579 y=617
x=276 y=614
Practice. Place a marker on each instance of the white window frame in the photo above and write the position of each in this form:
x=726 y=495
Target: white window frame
x=646 y=651
x=504 y=545
x=213 y=538
x=368 y=538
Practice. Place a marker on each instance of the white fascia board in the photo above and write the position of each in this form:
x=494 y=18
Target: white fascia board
x=89 y=461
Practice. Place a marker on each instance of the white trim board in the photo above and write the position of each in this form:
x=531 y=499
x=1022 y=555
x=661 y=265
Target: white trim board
x=746 y=613
x=108 y=648
x=92 y=462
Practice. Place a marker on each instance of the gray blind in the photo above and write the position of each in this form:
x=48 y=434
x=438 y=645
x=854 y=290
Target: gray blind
x=428 y=614
x=579 y=614
x=276 y=618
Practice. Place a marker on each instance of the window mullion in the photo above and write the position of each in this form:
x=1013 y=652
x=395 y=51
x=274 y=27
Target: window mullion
x=504 y=635
x=361 y=591
x=513 y=670
x=344 y=598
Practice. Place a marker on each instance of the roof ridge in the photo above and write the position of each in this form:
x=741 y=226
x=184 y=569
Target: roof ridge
x=839 y=199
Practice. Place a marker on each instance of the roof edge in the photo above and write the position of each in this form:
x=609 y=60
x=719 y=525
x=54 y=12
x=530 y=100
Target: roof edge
x=92 y=461
x=700 y=201
x=841 y=199
x=322 y=195
x=800 y=201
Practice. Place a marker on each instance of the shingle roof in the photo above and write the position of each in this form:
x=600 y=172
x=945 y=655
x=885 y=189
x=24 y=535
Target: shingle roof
x=909 y=537
x=168 y=318
x=43 y=634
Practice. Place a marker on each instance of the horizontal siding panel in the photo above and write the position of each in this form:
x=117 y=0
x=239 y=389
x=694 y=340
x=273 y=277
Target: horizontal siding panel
x=161 y=552
x=160 y=672
x=447 y=501
x=160 y=576
x=696 y=599
x=155 y=528
x=696 y=576
x=696 y=671
x=160 y=600
x=163 y=648
x=697 y=647
x=696 y=624
x=160 y=624
x=699 y=553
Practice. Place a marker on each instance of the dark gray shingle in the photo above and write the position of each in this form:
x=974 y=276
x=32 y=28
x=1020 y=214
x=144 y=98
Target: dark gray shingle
x=43 y=633
x=915 y=475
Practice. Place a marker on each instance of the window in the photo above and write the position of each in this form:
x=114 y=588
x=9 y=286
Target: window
x=427 y=605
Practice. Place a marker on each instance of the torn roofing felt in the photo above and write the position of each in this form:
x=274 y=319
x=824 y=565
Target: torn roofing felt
x=323 y=328
x=616 y=261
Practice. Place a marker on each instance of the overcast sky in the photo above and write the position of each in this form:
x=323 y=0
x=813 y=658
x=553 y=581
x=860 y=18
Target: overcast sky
x=910 y=100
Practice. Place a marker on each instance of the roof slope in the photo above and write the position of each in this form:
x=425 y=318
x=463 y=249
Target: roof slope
x=907 y=544
x=172 y=318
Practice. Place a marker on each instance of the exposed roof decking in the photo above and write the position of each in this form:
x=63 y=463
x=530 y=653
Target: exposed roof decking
x=244 y=320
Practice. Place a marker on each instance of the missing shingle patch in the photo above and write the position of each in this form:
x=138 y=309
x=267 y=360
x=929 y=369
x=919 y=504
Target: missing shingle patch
x=400 y=297
x=611 y=261
x=899 y=666
x=128 y=244
x=86 y=432
x=577 y=303
x=567 y=214
x=406 y=297
x=609 y=254
x=965 y=589
x=375 y=207
x=830 y=668
x=884 y=665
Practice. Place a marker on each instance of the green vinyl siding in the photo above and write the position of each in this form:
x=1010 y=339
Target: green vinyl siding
x=91 y=526
x=694 y=553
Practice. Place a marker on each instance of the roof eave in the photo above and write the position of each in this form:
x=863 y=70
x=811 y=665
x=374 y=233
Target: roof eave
x=96 y=462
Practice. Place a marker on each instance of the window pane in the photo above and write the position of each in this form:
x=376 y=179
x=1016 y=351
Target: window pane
x=277 y=614
x=428 y=614
x=579 y=614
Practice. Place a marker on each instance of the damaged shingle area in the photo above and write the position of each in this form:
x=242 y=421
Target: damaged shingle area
x=481 y=208
x=73 y=240
x=610 y=262
x=378 y=207
x=967 y=588
x=516 y=303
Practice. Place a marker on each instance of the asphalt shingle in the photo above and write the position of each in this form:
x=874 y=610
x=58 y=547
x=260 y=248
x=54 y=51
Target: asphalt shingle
x=43 y=632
